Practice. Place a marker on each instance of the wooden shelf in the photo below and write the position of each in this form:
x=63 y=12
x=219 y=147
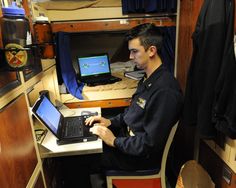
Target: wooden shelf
x=110 y=24
x=113 y=103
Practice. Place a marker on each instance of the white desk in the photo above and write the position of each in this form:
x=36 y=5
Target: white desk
x=49 y=148
x=119 y=90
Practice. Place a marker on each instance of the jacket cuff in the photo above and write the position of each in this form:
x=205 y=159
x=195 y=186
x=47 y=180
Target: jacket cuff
x=116 y=143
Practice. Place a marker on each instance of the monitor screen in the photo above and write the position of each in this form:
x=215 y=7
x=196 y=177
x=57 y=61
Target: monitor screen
x=93 y=65
x=49 y=114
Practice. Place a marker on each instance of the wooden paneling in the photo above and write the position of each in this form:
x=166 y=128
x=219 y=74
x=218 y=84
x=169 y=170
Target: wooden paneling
x=189 y=11
x=17 y=153
x=101 y=103
x=109 y=25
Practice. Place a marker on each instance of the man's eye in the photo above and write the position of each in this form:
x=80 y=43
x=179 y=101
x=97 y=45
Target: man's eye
x=133 y=51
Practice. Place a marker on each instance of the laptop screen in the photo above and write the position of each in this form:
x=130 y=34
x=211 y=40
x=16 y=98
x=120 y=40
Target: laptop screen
x=48 y=113
x=94 y=65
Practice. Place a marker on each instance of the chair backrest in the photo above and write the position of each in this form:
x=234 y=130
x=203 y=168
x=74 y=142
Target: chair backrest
x=165 y=154
x=153 y=177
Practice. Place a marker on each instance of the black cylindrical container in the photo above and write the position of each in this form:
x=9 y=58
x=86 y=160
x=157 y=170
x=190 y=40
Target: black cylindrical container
x=15 y=35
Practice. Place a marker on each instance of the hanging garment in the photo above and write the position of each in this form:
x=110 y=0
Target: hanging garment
x=224 y=111
x=67 y=70
x=168 y=49
x=208 y=48
x=149 y=6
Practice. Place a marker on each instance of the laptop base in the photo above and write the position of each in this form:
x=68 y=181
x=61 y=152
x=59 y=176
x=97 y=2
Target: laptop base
x=106 y=81
x=70 y=141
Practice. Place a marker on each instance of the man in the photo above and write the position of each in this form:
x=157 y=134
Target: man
x=136 y=138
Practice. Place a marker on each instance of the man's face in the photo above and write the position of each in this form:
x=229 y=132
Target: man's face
x=138 y=53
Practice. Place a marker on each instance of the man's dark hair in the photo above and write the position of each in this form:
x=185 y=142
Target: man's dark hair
x=149 y=35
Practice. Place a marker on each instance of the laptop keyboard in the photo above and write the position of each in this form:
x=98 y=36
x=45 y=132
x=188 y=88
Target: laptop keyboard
x=103 y=81
x=74 y=127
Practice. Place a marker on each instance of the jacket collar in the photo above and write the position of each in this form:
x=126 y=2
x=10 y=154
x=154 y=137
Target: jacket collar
x=153 y=77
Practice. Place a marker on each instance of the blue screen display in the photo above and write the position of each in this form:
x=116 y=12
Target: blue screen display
x=49 y=114
x=93 y=65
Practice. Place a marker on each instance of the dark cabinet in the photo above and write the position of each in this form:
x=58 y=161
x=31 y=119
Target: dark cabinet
x=17 y=152
x=220 y=173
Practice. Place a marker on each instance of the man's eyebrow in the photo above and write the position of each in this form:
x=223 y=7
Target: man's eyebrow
x=133 y=49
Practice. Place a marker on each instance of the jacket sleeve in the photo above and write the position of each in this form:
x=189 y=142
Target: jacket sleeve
x=118 y=121
x=161 y=113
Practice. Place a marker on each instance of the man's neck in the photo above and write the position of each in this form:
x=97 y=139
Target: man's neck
x=153 y=65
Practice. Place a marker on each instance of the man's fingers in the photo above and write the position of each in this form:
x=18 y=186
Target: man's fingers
x=94 y=129
x=89 y=121
x=97 y=129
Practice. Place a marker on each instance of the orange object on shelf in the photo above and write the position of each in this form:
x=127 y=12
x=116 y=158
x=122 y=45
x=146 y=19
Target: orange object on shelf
x=44 y=37
x=43 y=32
x=47 y=51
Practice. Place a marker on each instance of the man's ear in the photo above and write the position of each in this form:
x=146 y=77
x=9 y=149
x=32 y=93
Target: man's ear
x=152 y=51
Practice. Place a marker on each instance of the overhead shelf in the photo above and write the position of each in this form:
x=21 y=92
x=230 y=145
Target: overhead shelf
x=111 y=24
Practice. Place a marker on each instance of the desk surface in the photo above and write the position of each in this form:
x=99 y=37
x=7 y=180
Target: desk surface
x=119 y=90
x=49 y=148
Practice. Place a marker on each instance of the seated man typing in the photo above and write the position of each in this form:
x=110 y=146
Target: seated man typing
x=136 y=138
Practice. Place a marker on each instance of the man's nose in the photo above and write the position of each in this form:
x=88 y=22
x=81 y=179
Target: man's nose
x=131 y=56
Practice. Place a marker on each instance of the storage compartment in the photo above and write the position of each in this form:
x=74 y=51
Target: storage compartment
x=18 y=156
x=222 y=175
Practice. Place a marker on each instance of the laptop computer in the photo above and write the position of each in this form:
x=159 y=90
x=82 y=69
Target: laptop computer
x=95 y=70
x=67 y=129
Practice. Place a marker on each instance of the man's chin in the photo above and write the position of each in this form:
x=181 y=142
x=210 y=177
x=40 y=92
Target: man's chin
x=139 y=67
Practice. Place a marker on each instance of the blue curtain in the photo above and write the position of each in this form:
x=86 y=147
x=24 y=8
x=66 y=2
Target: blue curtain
x=149 y=6
x=168 y=50
x=67 y=70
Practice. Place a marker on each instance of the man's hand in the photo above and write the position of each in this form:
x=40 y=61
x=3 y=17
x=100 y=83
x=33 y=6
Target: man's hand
x=104 y=133
x=98 y=120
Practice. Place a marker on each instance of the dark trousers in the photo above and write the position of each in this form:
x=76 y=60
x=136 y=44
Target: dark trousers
x=77 y=170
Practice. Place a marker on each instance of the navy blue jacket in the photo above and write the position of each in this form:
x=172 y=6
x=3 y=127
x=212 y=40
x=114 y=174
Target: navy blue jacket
x=155 y=108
